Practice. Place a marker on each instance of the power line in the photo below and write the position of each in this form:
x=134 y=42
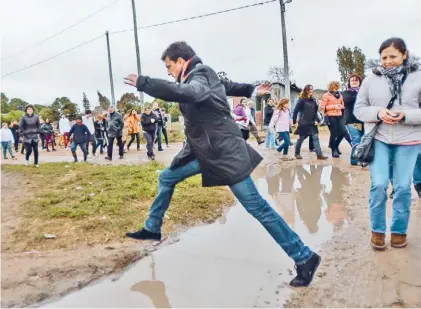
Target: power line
x=196 y=17
x=143 y=27
x=52 y=57
x=60 y=32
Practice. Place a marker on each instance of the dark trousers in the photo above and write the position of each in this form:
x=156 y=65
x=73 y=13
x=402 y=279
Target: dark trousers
x=337 y=131
x=246 y=134
x=111 y=145
x=316 y=143
x=42 y=137
x=164 y=132
x=92 y=141
x=285 y=145
x=16 y=143
x=99 y=143
x=159 y=136
x=49 y=139
x=133 y=136
x=29 y=147
x=149 y=137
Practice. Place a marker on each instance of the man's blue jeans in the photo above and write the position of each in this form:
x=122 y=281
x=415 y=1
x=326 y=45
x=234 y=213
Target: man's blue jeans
x=249 y=197
x=356 y=136
x=159 y=136
x=270 y=138
x=402 y=160
x=417 y=171
x=285 y=145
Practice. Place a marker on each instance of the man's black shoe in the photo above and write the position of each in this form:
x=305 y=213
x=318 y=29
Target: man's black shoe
x=418 y=189
x=305 y=272
x=143 y=234
x=160 y=149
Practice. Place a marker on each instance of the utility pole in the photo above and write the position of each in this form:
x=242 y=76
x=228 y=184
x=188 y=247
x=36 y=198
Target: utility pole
x=136 y=42
x=285 y=49
x=110 y=69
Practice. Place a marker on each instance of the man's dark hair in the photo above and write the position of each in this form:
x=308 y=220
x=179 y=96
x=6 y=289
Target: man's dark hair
x=178 y=50
x=88 y=111
x=79 y=118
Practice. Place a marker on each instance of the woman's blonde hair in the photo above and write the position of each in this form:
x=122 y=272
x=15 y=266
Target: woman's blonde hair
x=281 y=104
x=334 y=86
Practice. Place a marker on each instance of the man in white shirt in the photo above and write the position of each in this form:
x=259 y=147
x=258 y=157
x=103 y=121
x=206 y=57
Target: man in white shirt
x=64 y=127
x=88 y=121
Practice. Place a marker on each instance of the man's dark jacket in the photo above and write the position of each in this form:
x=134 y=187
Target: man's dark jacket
x=212 y=135
x=115 y=124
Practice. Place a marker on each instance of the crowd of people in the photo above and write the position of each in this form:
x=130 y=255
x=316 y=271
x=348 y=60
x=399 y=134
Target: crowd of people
x=86 y=132
x=385 y=105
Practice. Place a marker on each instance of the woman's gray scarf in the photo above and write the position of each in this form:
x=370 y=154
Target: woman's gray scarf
x=395 y=77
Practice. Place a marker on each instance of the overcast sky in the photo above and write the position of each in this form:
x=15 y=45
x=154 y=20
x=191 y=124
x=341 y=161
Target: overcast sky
x=243 y=43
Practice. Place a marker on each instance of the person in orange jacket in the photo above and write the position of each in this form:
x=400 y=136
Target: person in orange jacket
x=332 y=106
x=134 y=128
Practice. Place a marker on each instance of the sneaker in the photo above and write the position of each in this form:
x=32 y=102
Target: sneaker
x=286 y=158
x=161 y=149
x=36 y=165
x=398 y=240
x=54 y=149
x=261 y=142
x=121 y=157
x=338 y=151
x=377 y=241
x=322 y=157
x=27 y=163
x=418 y=189
x=5 y=158
x=298 y=156
x=138 y=149
x=108 y=158
x=143 y=234
x=312 y=150
x=48 y=150
x=306 y=272
x=168 y=146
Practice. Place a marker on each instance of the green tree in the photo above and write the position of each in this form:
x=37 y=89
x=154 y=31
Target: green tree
x=350 y=61
x=128 y=101
x=175 y=112
x=17 y=104
x=4 y=104
x=103 y=101
x=64 y=106
x=50 y=113
x=86 y=104
x=13 y=115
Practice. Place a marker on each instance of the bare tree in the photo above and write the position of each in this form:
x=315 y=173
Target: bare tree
x=277 y=74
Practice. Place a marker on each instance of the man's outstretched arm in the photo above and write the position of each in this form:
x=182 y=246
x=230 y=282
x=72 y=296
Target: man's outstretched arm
x=233 y=89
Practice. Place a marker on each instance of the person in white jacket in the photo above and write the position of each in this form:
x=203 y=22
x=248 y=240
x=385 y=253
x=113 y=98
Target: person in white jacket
x=7 y=141
x=64 y=127
x=252 y=121
x=88 y=121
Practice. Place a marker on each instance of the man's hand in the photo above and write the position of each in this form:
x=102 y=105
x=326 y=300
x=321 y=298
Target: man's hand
x=131 y=80
x=263 y=89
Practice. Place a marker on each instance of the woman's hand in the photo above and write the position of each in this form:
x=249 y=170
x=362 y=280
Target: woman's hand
x=390 y=117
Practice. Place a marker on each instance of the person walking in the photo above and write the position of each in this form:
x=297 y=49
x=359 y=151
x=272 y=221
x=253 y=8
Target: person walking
x=307 y=126
x=47 y=130
x=88 y=120
x=160 y=119
x=7 y=140
x=268 y=113
x=29 y=127
x=215 y=149
x=280 y=124
x=134 y=129
x=14 y=127
x=164 y=127
x=81 y=136
x=115 y=132
x=241 y=119
x=353 y=125
x=251 y=115
x=64 y=128
x=388 y=102
x=332 y=106
x=149 y=122
x=99 y=134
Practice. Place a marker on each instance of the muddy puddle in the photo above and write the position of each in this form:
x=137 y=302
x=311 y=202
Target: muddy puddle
x=233 y=262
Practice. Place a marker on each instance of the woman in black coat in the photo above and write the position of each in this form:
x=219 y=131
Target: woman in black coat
x=307 y=125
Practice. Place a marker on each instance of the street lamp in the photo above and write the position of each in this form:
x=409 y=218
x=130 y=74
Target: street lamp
x=285 y=48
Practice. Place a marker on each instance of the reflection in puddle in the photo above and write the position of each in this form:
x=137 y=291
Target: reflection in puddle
x=233 y=262
x=314 y=192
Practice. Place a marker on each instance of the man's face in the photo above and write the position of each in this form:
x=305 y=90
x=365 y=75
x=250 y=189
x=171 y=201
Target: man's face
x=111 y=110
x=155 y=106
x=79 y=122
x=174 y=67
x=148 y=111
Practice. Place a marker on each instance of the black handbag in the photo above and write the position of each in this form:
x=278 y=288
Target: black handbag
x=364 y=152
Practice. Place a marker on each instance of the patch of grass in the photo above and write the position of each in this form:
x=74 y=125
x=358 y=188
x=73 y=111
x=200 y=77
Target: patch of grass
x=84 y=203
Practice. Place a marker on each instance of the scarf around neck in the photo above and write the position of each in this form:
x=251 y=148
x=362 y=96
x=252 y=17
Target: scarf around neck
x=335 y=94
x=395 y=77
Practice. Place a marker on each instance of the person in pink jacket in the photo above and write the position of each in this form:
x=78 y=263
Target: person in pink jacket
x=280 y=123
